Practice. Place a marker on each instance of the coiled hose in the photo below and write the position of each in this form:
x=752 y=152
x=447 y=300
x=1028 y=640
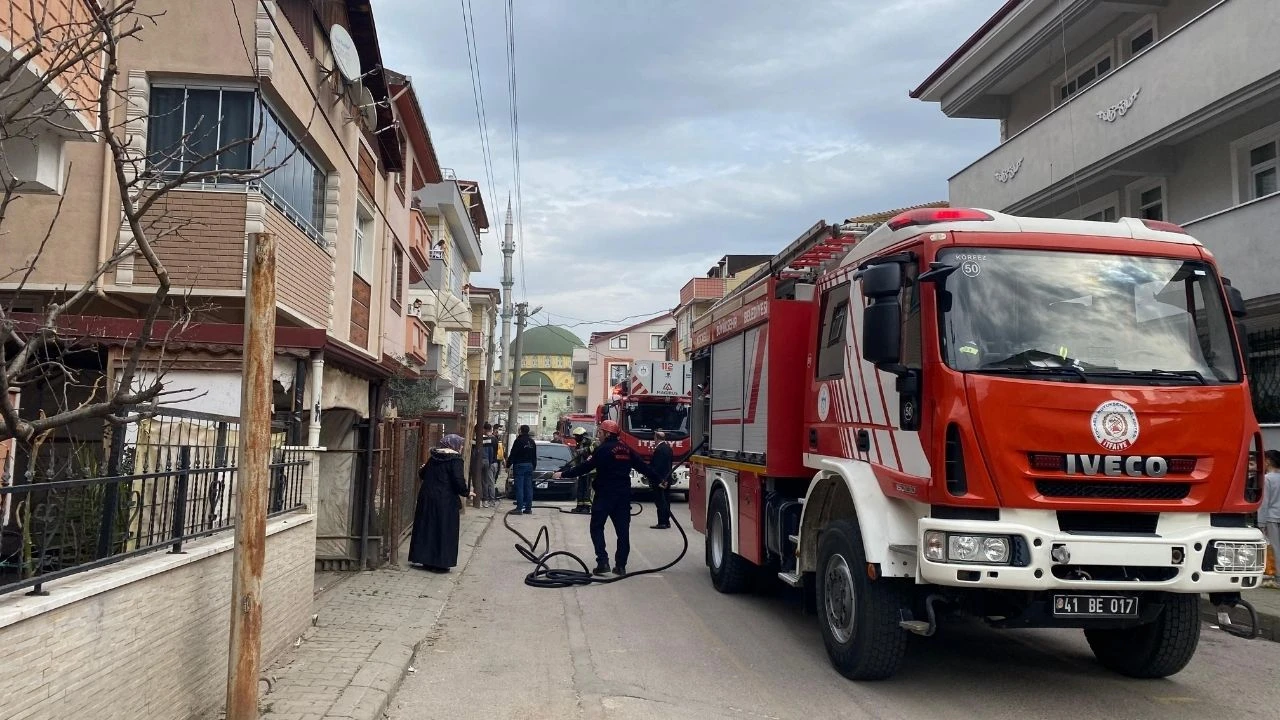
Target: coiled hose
x=545 y=576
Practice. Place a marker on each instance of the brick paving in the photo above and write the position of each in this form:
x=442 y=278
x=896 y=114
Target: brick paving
x=368 y=627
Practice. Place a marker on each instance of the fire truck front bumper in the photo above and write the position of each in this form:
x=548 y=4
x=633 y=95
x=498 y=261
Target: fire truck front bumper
x=1026 y=550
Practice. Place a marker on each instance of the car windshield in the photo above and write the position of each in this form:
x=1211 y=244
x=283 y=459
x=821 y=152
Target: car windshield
x=1098 y=317
x=643 y=419
x=551 y=456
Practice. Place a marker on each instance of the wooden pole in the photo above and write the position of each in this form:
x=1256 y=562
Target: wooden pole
x=253 y=480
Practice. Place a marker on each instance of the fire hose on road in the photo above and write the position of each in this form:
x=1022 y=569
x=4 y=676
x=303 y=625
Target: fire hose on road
x=545 y=576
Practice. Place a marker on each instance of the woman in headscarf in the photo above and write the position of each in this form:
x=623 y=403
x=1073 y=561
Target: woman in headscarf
x=435 y=523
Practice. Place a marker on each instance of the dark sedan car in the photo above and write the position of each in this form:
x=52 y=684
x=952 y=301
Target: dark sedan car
x=551 y=457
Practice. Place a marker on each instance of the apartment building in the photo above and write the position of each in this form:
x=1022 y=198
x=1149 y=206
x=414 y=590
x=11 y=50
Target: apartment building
x=1162 y=109
x=1154 y=110
x=612 y=353
x=455 y=215
x=700 y=293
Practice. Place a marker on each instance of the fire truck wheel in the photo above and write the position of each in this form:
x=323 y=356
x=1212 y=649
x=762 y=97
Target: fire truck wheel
x=1155 y=650
x=730 y=573
x=859 y=616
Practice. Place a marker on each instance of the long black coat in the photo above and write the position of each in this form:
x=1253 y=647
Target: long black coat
x=435 y=522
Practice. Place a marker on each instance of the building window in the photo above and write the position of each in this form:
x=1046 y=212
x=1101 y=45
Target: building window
x=1140 y=36
x=1262 y=169
x=397 y=277
x=363 y=260
x=1107 y=214
x=212 y=129
x=657 y=342
x=618 y=343
x=1082 y=76
x=1103 y=209
x=1151 y=203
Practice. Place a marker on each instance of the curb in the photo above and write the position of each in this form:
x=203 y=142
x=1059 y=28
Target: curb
x=376 y=683
x=1268 y=622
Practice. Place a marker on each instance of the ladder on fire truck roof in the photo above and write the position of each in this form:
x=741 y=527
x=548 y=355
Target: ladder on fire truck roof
x=817 y=246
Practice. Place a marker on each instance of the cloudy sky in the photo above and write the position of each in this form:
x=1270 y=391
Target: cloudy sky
x=657 y=136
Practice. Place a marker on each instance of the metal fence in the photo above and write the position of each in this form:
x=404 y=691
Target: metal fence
x=1264 y=373
x=403 y=449
x=153 y=485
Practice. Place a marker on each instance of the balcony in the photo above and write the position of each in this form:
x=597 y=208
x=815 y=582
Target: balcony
x=475 y=342
x=701 y=288
x=419 y=241
x=1193 y=77
x=204 y=250
x=418 y=340
x=1238 y=237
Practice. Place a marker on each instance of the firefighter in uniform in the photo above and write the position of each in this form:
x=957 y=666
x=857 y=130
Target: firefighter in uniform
x=584 y=445
x=612 y=462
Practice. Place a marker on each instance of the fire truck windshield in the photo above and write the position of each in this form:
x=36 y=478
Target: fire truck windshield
x=642 y=419
x=1106 y=318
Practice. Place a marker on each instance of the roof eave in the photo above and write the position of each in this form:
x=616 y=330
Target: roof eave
x=929 y=90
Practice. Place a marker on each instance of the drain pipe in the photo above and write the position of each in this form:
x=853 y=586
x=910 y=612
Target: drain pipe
x=317 y=387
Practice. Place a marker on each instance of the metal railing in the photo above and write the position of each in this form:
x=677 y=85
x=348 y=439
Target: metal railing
x=165 y=481
x=1264 y=373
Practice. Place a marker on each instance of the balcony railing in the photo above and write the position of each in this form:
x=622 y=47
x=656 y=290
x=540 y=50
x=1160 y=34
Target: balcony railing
x=701 y=288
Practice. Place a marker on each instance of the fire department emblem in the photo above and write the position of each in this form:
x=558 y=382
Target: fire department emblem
x=824 y=403
x=1115 y=425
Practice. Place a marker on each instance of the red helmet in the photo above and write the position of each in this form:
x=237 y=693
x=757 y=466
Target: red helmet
x=610 y=427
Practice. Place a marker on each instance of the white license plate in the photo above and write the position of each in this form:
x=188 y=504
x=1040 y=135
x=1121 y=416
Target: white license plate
x=543 y=485
x=1101 y=606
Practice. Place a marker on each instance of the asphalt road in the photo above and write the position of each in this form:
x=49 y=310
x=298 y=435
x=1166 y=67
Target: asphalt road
x=670 y=646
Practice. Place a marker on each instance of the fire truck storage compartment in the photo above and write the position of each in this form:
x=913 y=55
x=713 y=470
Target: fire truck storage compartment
x=727 y=381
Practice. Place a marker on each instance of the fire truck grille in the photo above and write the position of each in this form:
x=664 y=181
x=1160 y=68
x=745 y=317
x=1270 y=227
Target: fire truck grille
x=1114 y=490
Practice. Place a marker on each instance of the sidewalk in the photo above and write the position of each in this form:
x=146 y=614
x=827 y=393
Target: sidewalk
x=1266 y=602
x=369 y=627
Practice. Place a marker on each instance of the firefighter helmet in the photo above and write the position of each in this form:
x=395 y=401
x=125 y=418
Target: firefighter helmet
x=610 y=427
x=579 y=431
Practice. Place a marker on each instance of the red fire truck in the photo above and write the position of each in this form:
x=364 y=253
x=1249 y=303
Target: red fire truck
x=569 y=421
x=1038 y=422
x=656 y=397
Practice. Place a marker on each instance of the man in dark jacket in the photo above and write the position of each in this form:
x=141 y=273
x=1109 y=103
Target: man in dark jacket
x=522 y=459
x=661 y=464
x=612 y=462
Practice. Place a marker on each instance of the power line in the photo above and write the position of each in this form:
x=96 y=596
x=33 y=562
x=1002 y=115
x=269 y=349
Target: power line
x=581 y=321
x=477 y=94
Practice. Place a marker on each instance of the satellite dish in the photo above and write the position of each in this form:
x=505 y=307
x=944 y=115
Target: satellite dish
x=368 y=108
x=345 y=55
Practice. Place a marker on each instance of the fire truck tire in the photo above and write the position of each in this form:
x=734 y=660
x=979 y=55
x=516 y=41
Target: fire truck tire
x=859 y=616
x=730 y=573
x=1155 y=650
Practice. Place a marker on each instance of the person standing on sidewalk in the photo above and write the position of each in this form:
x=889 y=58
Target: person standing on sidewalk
x=489 y=466
x=522 y=459
x=661 y=464
x=434 y=545
x=1269 y=511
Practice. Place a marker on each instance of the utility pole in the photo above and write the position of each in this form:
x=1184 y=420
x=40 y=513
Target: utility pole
x=249 y=552
x=508 y=284
x=514 y=404
x=522 y=314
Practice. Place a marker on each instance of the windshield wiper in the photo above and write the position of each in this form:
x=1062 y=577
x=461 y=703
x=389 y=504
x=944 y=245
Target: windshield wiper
x=1154 y=372
x=1070 y=370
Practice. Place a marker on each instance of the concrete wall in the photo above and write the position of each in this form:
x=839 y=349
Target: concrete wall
x=1243 y=242
x=147 y=638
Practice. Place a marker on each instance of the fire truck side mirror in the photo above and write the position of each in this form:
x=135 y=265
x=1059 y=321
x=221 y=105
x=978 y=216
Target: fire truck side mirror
x=1235 y=300
x=882 y=333
x=881 y=281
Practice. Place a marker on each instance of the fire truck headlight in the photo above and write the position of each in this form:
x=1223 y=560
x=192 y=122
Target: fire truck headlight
x=965 y=548
x=935 y=543
x=995 y=549
x=1238 y=556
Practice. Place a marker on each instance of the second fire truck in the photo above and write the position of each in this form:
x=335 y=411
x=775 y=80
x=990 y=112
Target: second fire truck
x=1038 y=422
